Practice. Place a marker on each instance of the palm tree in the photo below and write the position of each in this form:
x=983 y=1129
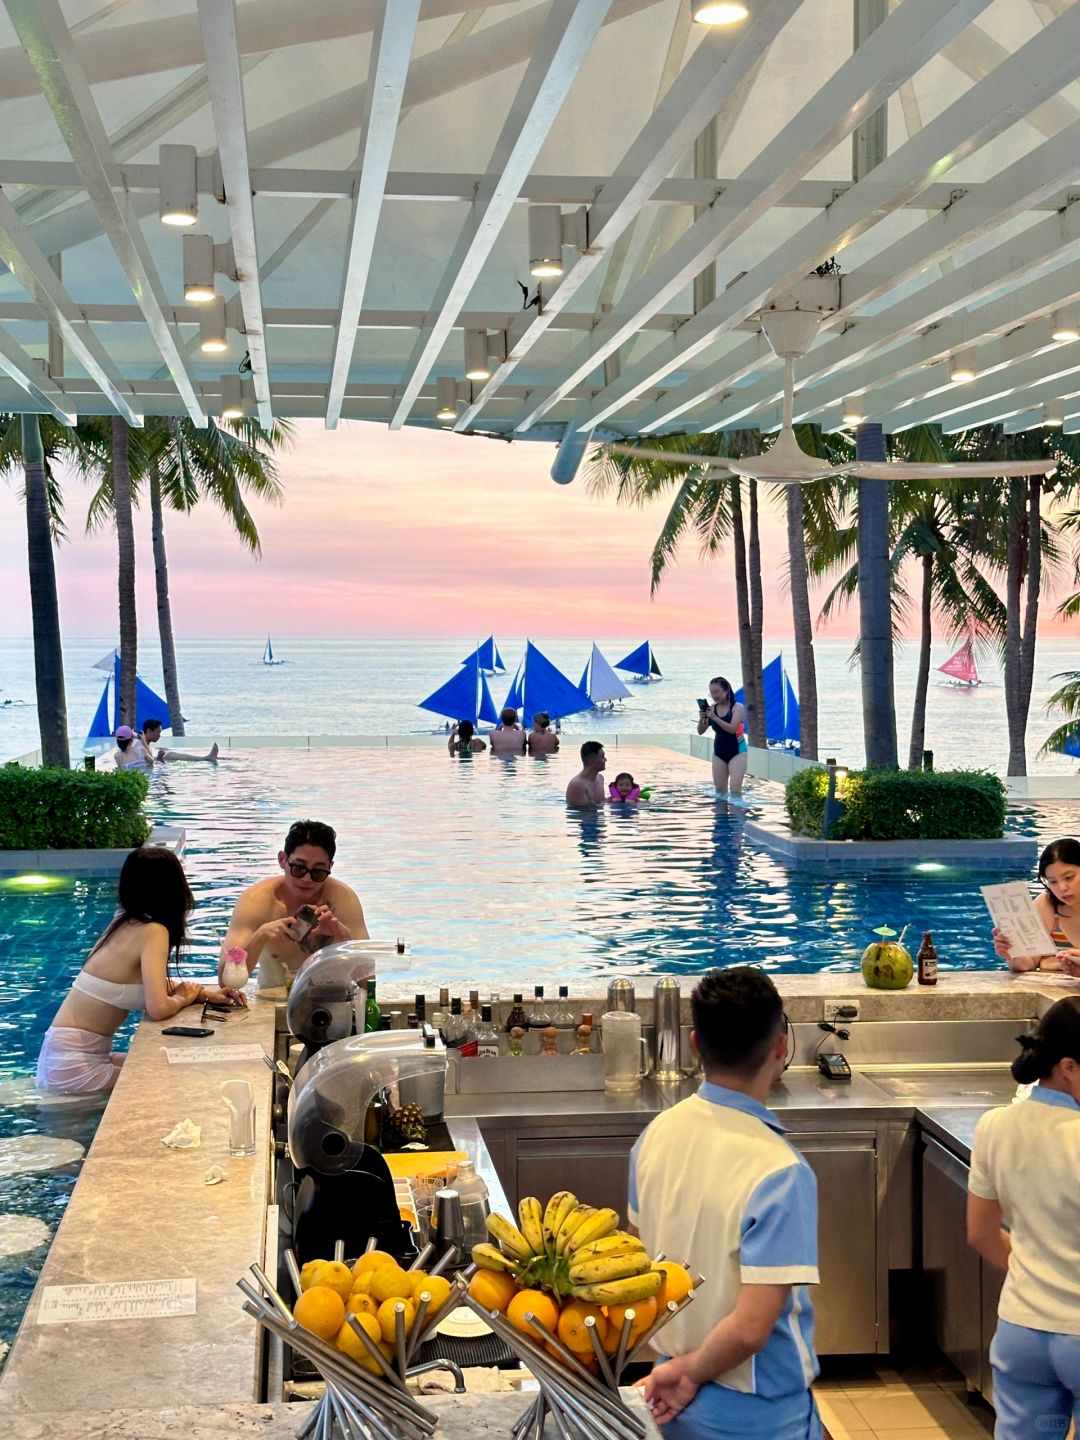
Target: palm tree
x=120 y=457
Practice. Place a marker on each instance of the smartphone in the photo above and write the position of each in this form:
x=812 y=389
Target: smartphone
x=304 y=920
x=197 y=1032
x=703 y=705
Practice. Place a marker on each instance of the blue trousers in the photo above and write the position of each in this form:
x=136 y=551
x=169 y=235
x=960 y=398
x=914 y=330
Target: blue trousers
x=716 y=1413
x=1036 y=1382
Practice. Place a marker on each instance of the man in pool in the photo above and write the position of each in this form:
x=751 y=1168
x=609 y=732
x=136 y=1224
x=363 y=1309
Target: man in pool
x=265 y=924
x=586 y=789
x=150 y=735
x=507 y=738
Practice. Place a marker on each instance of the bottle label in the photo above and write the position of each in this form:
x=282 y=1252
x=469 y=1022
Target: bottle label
x=468 y=1050
x=928 y=968
x=487 y=1051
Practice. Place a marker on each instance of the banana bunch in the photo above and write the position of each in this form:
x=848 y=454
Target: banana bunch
x=570 y=1249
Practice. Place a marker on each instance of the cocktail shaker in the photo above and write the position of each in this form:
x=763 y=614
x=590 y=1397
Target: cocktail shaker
x=667 y=1019
x=447 y=1223
x=620 y=995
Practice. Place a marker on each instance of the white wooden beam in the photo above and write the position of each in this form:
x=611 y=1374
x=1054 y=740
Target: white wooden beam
x=985 y=394
x=566 y=39
x=391 y=49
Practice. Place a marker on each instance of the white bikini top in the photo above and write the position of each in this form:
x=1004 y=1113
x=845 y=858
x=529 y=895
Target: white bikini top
x=110 y=992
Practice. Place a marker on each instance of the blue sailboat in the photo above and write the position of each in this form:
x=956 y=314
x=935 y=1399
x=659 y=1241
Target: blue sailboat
x=148 y=705
x=540 y=685
x=491 y=662
x=781 y=705
x=465 y=696
x=642 y=664
x=268 y=654
x=600 y=682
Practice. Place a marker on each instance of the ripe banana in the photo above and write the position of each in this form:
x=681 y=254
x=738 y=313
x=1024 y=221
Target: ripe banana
x=609 y=1267
x=618 y=1243
x=531 y=1220
x=624 y=1291
x=602 y=1223
x=509 y=1237
x=570 y=1226
x=558 y=1208
x=490 y=1257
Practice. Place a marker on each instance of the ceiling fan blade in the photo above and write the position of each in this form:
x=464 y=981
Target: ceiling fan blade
x=784 y=463
x=666 y=457
x=948 y=470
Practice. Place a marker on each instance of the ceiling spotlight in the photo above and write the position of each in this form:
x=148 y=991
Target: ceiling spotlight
x=1066 y=323
x=1053 y=414
x=198 y=269
x=176 y=179
x=545 y=241
x=962 y=367
x=233 y=399
x=446 y=399
x=213 y=336
x=476 y=355
x=718 y=12
x=854 y=410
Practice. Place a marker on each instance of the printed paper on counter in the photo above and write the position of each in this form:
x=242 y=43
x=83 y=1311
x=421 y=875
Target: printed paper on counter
x=214 y=1055
x=118 y=1300
x=1013 y=912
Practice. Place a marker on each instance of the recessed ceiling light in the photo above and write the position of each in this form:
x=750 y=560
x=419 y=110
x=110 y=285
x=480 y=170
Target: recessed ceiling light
x=718 y=12
x=962 y=367
x=177 y=186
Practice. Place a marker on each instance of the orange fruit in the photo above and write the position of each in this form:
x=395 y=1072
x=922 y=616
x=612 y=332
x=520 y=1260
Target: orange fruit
x=349 y=1343
x=371 y=1260
x=676 y=1285
x=493 y=1289
x=390 y=1282
x=536 y=1302
x=362 y=1284
x=327 y=1272
x=644 y=1315
x=387 y=1318
x=360 y=1304
x=572 y=1330
x=320 y=1310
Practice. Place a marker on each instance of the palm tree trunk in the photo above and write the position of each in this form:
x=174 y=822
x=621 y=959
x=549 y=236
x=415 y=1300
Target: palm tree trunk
x=875 y=607
x=922 y=680
x=1014 y=575
x=757 y=619
x=164 y=606
x=804 y=626
x=742 y=607
x=44 y=605
x=1033 y=582
x=125 y=539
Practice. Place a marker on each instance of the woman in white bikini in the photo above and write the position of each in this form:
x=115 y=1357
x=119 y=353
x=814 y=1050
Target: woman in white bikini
x=128 y=969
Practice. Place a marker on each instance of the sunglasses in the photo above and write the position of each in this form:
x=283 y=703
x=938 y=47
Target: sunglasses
x=297 y=869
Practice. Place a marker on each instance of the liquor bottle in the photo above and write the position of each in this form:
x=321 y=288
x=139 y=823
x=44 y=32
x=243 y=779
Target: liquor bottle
x=372 y=1014
x=927 y=960
x=444 y=998
x=583 y=1035
x=549 y=1040
x=564 y=1022
x=487 y=1037
x=474 y=1001
x=517 y=1043
x=460 y=1035
x=420 y=1008
x=587 y=1020
x=539 y=1019
x=517 y=1017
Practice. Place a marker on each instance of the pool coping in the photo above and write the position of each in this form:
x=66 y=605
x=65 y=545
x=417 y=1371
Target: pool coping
x=88 y=862
x=1010 y=853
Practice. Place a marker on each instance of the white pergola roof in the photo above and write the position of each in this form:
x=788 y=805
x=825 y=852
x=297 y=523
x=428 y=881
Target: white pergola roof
x=372 y=163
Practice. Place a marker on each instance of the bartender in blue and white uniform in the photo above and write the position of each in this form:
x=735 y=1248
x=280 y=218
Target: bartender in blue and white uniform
x=714 y=1182
x=1024 y=1216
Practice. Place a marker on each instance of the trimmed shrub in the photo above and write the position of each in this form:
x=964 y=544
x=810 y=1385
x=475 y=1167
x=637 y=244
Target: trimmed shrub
x=902 y=805
x=55 y=809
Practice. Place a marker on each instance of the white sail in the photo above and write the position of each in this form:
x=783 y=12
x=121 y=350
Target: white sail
x=603 y=684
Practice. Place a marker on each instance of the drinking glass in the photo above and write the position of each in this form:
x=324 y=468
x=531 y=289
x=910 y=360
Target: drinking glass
x=241 y=1106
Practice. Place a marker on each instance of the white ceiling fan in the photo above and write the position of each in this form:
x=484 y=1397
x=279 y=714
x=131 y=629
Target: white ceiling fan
x=789 y=332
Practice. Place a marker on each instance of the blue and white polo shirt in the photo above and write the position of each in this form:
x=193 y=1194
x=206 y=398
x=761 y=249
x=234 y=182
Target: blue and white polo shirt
x=714 y=1183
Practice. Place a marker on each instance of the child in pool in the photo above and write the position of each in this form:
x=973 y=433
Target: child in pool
x=624 y=790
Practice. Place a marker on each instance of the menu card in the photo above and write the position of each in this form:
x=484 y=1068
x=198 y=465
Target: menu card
x=1013 y=912
x=212 y=1054
x=118 y=1300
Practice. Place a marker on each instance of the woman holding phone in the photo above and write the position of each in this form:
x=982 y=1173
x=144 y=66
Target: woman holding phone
x=725 y=716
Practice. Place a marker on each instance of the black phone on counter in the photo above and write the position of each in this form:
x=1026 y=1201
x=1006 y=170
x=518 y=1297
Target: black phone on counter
x=196 y=1032
x=305 y=919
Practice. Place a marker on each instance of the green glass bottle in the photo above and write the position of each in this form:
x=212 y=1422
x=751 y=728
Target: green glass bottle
x=372 y=1014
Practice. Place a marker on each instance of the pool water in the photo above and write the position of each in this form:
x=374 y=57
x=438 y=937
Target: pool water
x=493 y=881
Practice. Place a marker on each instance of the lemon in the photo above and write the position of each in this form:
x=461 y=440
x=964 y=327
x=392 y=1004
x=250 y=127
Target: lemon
x=387 y=1318
x=390 y=1282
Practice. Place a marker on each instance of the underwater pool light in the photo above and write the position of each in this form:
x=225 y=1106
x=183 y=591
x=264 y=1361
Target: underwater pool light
x=926 y=865
x=30 y=882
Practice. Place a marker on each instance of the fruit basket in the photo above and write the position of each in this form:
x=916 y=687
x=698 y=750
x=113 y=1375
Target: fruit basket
x=577 y=1299
x=361 y=1326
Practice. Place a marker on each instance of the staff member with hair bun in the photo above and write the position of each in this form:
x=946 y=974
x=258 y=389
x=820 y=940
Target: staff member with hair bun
x=1025 y=1175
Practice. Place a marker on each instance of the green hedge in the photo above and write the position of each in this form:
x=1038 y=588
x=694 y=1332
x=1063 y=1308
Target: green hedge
x=902 y=805
x=55 y=809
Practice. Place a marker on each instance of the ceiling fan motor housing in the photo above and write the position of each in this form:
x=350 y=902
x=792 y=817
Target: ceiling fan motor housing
x=791 y=320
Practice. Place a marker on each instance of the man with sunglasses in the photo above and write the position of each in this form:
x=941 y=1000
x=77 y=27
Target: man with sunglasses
x=265 y=922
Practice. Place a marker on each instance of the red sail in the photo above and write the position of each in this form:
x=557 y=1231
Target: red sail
x=961 y=666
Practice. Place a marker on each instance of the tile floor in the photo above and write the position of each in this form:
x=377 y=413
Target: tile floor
x=883 y=1404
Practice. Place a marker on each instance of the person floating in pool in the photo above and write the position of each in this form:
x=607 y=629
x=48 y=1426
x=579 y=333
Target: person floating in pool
x=725 y=716
x=508 y=738
x=265 y=924
x=542 y=739
x=586 y=789
x=624 y=790
x=127 y=970
x=151 y=734
x=464 y=739
x=129 y=753
x=1058 y=907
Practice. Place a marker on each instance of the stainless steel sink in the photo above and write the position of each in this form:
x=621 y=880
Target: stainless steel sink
x=956 y=1087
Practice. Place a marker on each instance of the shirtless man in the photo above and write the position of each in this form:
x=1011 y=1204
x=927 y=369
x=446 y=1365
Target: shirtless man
x=542 y=739
x=263 y=921
x=508 y=738
x=586 y=790
x=150 y=735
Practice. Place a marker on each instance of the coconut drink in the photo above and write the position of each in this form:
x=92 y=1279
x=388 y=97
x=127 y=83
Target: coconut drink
x=886 y=964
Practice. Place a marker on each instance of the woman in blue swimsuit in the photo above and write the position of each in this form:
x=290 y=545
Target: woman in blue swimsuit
x=727 y=719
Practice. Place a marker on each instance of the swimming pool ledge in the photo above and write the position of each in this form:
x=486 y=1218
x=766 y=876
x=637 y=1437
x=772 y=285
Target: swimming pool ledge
x=85 y=862
x=1014 y=853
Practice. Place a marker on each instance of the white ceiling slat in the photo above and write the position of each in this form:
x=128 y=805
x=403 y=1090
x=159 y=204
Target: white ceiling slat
x=1047 y=62
x=716 y=69
x=34 y=273
x=568 y=34
x=29 y=374
x=984 y=394
x=894 y=52
x=217 y=19
x=392 y=50
x=44 y=35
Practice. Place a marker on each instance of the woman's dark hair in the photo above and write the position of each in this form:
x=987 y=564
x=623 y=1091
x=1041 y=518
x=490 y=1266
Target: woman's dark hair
x=719 y=680
x=1056 y=1038
x=508 y=716
x=153 y=887
x=737 y=1015
x=465 y=731
x=123 y=742
x=310 y=832
x=1060 y=852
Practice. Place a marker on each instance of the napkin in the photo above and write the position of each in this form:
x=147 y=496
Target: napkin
x=184 y=1136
